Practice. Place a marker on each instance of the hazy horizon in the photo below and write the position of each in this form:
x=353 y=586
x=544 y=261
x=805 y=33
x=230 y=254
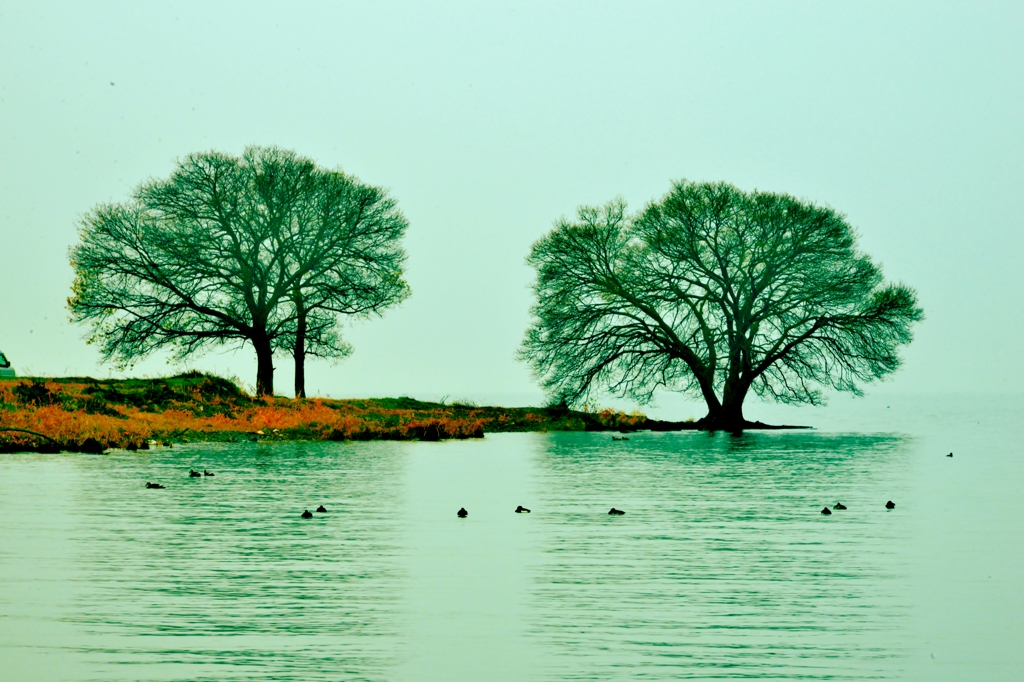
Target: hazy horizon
x=488 y=124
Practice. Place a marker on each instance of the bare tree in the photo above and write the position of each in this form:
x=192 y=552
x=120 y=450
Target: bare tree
x=208 y=256
x=716 y=292
x=344 y=258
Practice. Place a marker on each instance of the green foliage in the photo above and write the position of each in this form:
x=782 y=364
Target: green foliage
x=206 y=394
x=712 y=291
x=266 y=249
x=217 y=388
x=406 y=403
x=36 y=393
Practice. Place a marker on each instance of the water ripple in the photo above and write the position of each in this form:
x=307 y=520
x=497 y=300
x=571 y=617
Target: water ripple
x=722 y=566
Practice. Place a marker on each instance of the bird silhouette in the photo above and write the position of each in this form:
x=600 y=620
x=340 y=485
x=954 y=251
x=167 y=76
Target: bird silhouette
x=615 y=512
x=890 y=505
x=462 y=513
x=321 y=509
x=839 y=505
x=154 y=486
x=522 y=510
x=307 y=515
x=826 y=511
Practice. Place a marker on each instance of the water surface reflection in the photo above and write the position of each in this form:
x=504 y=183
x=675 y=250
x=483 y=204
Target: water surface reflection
x=723 y=565
x=219 y=577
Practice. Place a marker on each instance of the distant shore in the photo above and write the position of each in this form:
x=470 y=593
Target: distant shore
x=82 y=414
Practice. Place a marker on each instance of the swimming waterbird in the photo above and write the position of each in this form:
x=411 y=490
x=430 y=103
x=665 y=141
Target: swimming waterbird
x=307 y=515
x=193 y=473
x=522 y=510
x=615 y=512
x=839 y=505
x=154 y=486
x=890 y=505
x=207 y=473
x=826 y=511
x=321 y=509
x=462 y=513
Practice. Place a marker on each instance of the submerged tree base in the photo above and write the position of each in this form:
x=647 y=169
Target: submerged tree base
x=706 y=425
x=744 y=425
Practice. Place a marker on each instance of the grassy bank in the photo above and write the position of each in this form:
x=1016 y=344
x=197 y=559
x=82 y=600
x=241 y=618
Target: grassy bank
x=90 y=415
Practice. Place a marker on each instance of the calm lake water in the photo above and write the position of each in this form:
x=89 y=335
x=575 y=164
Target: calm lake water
x=722 y=567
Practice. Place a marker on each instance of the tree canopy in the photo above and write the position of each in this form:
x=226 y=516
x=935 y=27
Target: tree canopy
x=716 y=292
x=266 y=249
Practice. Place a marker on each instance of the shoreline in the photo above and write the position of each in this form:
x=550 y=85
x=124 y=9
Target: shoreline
x=82 y=414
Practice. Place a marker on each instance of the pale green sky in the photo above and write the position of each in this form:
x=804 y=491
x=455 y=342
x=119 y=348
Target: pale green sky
x=489 y=122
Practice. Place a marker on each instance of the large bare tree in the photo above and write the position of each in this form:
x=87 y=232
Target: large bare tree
x=713 y=291
x=216 y=253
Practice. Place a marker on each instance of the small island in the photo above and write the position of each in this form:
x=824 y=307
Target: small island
x=82 y=414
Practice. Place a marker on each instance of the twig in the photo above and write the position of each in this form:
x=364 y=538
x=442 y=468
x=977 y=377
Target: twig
x=34 y=433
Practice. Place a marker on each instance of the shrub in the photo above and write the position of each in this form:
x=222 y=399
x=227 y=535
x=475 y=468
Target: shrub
x=37 y=393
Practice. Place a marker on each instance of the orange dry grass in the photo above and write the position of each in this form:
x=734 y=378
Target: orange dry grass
x=618 y=419
x=71 y=427
x=306 y=419
x=260 y=418
x=119 y=413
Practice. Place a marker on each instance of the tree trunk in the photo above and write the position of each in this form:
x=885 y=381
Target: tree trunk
x=729 y=414
x=300 y=347
x=707 y=389
x=730 y=418
x=264 y=365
